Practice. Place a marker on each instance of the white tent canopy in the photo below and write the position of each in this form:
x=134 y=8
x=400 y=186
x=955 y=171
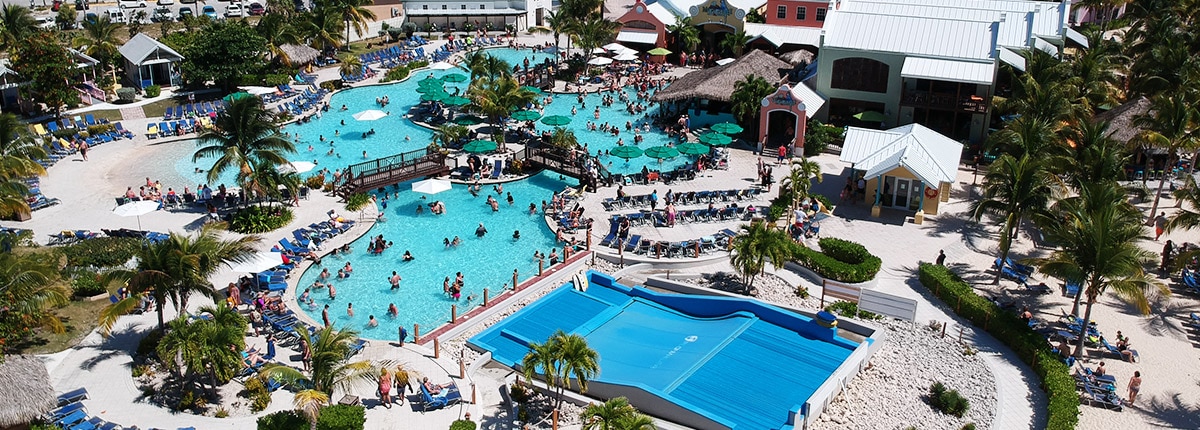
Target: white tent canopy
x=600 y=61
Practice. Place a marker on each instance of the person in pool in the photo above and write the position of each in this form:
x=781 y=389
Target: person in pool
x=516 y=235
x=480 y=231
x=446 y=241
x=372 y=322
x=324 y=276
x=392 y=311
x=407 y=256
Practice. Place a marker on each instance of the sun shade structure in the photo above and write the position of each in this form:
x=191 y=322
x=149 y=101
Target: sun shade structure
x=1122 y=126
x=556 y=120
x=298 y=54
x=136 y=209
x=468 y=120
x=296 y=167
x=479 y=146
x=715 y=139
x=693 y=148
x=434 y=97
x=370 y=115
x=659 y=51
x=727 y=128
x=441 y=65
x=431 y=186
x=716 y=83
x=257 y=262
x=661 y=152
x=236 y=96
x=626 y=152
x=456 y=101
x=431 y=81
x=27 y=392
x=455 y=77
x=600 y=61
x=526 y=115
x=626 y=56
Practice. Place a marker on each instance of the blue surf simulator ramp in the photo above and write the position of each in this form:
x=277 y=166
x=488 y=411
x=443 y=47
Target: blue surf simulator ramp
x=703 y=361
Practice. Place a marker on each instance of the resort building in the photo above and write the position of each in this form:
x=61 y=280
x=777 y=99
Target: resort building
x=714 y=18
x=800 y=13
x=457 y=15
x=910 y=168
x=932 y=62
x=149 y=62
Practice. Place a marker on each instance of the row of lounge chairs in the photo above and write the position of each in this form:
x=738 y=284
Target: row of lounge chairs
x=191 y=110
x=668 y=177
x=658 y=218
x=66 y=237
x=392 y=57
x=364 y=73
x=282 y=92
x=149 y=236
x=309 y=99
x=682 y=249
x=59 y=148
x=67 y=124
x=1098 y=389
x=177 y=128
x=36 y=200
x=691 y=197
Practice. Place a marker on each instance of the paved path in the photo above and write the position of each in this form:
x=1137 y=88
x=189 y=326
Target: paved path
x=135 y=112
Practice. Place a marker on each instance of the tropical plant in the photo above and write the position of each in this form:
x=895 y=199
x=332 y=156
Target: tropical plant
x=614 y=414
x=563 y=138
x=45 y=67
x=799 y=180
x=746 y=101
x=593 y=32
x=331 y=369
x=1188 y=215
x=244 y=137
x=562 y=358
x=1029 y=135
x=686 y=35
x=224 y=52
x=1013 y=190
x=16 y=23
x=1171 y=124
x=277 y=31
x=309 y=403
x=99 y=40
x=354 y=14
x=735 y=43
x=558 y=24
x=64 y=19
x=28 y=291
x=19 y=155
x=448 y=134
x=350 y=65
x=496 y=98
x=323 y=27
x=1097 y=158
x=211 y=345
x=759 y=245
x=1097 y=232
x=172 y=270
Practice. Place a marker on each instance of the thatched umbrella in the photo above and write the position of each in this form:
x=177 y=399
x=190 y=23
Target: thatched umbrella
x=299 y=54
x=1122 y=120
x=716 y=83
x=799 y=56
x=27 y=393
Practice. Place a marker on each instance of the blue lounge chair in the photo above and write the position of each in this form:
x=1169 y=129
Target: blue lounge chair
x=633 y=243
x=91 y=424
x=71 y=419
x=497 y=169
x=1072 y=288
x=1116 y=351
x=1109 y=400
x=169 y=114
x=72 y=396
x=447 y=397
x=91 y=119
x=63 y=411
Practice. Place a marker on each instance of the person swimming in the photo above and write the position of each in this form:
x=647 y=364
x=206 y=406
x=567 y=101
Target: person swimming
x=516 y=235
x=407 y=256
x=480 y=231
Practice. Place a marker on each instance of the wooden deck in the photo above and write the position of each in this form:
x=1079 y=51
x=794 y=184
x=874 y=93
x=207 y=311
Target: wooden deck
x=393 y=169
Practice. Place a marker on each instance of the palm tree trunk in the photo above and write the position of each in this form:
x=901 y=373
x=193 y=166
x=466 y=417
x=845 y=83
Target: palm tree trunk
x=1005 y=247
x=161 y=321
x=1078 y=299
x=1162 y=180
x=212 y=374
x=1087 y=318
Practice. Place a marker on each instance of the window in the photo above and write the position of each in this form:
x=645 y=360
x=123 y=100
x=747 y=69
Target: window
x=820 y=14
x=483 y=6
x=801 y=13
x=424 y=7
x=781 y=12
x=443 y=7
x=464 y=7
x=860 y=74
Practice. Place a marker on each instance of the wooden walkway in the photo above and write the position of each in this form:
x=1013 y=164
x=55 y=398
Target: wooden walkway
x=369 y=175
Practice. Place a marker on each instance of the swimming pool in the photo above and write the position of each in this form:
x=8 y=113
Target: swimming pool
x=703 y=361
x=486 y=262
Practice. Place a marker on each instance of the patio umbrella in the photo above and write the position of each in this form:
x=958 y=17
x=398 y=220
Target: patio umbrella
x=556 y=120
x=430 y=89
x=431 y=81
x=727 y=128
x=455 y=77
x=600 y=61
x=659 y=51
x=661 y=152
x=456 y=101
x=626 y=152
x=693 y=148
x=479 y=146
x=526 y=115
x=431 y=186
x=468 y=120
x=370 y=115
x=258 y=91
x=615 y=47
x=259 y=261
x=715 y=139
x=237 y=96
x=435 y=97
x=296 y=167
x=598 y=51
x=870 y=116
x=441 y=65
x=534 y=90
x=626 y=56
x=136 y=209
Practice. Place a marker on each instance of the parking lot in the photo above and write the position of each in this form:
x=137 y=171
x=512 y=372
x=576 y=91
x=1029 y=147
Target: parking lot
x=132 y=9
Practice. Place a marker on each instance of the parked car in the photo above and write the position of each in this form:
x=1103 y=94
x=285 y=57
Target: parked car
x=46 y=22
x=129 y=4
x=234 y=10
x=210 y=12
x=115 y=15
x=90 y=18
x=162 y=14
x=187 y=1
x=81 y=5
x=185 y=11
x=56 y=6
x=165 y=2
x=256 y=9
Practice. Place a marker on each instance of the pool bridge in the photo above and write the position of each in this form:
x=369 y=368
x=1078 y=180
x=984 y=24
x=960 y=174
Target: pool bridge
x=562 y=161
x=393 y=169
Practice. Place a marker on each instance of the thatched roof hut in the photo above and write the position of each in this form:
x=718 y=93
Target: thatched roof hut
x=299 y=54
x=27 y=393
x=716 y=83
x=799 y=56
x=1122 y=125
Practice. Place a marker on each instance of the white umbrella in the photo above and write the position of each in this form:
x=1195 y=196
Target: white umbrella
x=615 y=47
x=600 y=61
x=370 y=115
x=431 y=186
x=296 y=167
x=258 y=91
x=259 y=261
x=136 y=209
x=724 y=61
x=441 y=65
x=599 y=51
x=626 y=56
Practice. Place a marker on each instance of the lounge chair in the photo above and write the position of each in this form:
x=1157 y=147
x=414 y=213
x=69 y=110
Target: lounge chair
x=446 y=397
x=1109 y=400
x=1114 y=350
x=65 y=410
x=151 y=131
x=633 y=242
x=52 y=127
x=91 y=119
x=71 y=419
x=39 y=130
x=497 y=169
x=72 y=396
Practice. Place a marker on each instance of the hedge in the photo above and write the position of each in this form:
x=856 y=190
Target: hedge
x=282 y=420
x=1008 y=328
x=840 y=260
x=101 y=251
x=341 y=417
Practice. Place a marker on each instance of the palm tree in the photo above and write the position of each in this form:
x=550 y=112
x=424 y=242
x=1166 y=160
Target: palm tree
x=799 y=181
x=309 y=403
x=448 y=134
x=323 y=27
x=330 y=366
x=1186 y=218
x=350 y=65
x=277 y=31
x=735 y=43
x=542 y=356
x=1094 y=71
x=496 y=98
x=563 y=138
x=687 y=36
x=354 y=14
x=1097 y=232
x=746 y=100
x=1171 y=124
x=1098 y=158
x=243 y=137
x=100 y=38
x=594 y=32
x=29 y=291
x=614 y=414
x=274 y=182
x=761 y=244
x=557 y=24
x=19 y=155
x=65 y=18
x=577 y=361
x=172 y=270
x=1028 y=135
x=210 y=345
x=16 y=23
x=1013 y=190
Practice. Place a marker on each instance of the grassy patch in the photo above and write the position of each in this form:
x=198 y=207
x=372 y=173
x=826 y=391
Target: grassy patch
x=112 y=115
x=79 y=317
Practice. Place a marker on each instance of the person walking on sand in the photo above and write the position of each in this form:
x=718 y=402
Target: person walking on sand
x=941 y=258
x=1135 y=385
x=1160 y=223
x=385 y=388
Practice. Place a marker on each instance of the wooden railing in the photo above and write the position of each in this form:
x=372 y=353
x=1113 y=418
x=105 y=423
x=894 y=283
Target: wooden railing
x=393 y=169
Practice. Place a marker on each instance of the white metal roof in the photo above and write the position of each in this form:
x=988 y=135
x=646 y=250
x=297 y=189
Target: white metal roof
x=141 y=47
x=812 y=100
x=683 y=6
x=1049 y=18
x=634 y=36
x=970 y=72
x=1013 y=58
x=780 y=35
x=462 y=12
x=1077 y=37
x=660 y=12
x=933 y=158
x=1013 y=30
x=930 y=37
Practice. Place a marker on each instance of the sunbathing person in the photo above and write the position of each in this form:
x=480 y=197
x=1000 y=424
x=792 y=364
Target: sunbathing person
x=435 y=388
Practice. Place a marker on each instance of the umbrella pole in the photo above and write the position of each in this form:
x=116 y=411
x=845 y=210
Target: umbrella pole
x=139 y=219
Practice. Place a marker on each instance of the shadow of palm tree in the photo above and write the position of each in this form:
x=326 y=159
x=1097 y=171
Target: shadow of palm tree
x=1170 y=410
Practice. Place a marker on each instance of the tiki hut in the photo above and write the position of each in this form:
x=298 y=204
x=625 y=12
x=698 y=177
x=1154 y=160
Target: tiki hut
x=27 y=393
x=716 y=83
x=799 y=56
x=298 y=54
x=1122 y=119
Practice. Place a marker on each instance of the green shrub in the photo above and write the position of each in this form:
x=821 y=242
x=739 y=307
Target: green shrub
x=332 y=85
x=260 y=219
x=86 y=283
x=139 y=370
x=282 y=420
x=417 y=64
x=191 y=400
x=258 y=394
x=818 y=136
x=850 y=310
x=463 y=425
x=276 y=79
x=153 y=91
x=342 y=417
x=126 y=95
x=968 y=426
x=948 y=402
x=315 y=182
x=148 y=346
x=221 y=413
x=396 y=74
x=98 y=129
x=1012 y=331
x=101 y=251
x=840 y=260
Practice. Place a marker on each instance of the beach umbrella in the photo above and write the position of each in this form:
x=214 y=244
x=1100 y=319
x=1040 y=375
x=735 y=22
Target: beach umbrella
x=661 y=152
x=626 y=56
x=296 y=167
x=456 y=101
x=727 y=128
x=534 y=90
x=526 y=115
x=431 y=81
x=431 y=186
x=370 y=115
x=693 y=148
x=237 y=96
x=257 y=262
x=479 y=146
x=455 y=77
x=659 y=51
x=441 y=65
x=615 y=47
x=258 y=91
x=468 y=120
x=715 y=139
x=600 y=61
x=724 y=61
x=430 y=89
x=556 y=120
x=870 y=116
x=435 y=97
x=598 y=50
x=626 y=152
x=136 y=209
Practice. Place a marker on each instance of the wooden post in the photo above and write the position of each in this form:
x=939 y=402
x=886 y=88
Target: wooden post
x=462 y=368
x=944 y=329
x=959 y=305
x=473 y=401
x=589 y=239
x=986 y=321
x=822 y=293
x=485 y=297
x=658 y=250
x=697 y=249
x=416 y=333
x=621 y=253
x=514 y=284
x=541 y=265
x=437 y=348
x=453 y=313
x=554 y=420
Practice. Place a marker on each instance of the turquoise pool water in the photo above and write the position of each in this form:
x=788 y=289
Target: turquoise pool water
x=486 y=262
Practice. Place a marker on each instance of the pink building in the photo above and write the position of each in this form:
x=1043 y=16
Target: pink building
x=799 y=13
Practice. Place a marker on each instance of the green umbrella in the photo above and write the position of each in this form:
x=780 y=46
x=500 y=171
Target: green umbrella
x=556 y=120
x=870 y=116
x=430 y=89
x=434 y=97
x=431 y=81
x=658 y=51
x=727 y=128
x=237 y=96
x=534 y=90
x=661 y=152
x=455 y=77
x=715 y=139
x=692 y=148
x=468 y=120
x=456 y=101
x=626 y=152
x=526 y=115
x=479 y=146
